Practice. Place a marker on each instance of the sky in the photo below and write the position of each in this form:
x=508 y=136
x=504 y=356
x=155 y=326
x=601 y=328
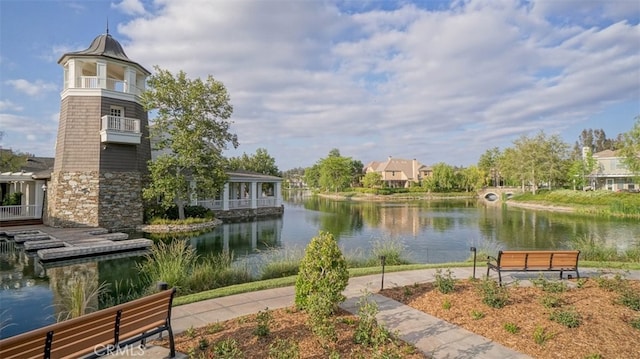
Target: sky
x=438 y=81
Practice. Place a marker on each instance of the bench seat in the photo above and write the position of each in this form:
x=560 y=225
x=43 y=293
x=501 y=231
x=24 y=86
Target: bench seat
x=534 y=261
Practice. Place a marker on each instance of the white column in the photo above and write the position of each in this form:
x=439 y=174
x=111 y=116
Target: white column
x=253 y=193
x=278 y=193
x=71 y=74
x=101 y=73
x=225 y=197
x=130 y=80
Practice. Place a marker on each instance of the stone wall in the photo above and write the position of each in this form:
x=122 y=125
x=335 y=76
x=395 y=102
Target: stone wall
x=112 y=200
x=248 y=213
x=120 y=200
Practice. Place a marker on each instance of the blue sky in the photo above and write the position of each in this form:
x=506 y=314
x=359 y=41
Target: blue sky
x=439 y=81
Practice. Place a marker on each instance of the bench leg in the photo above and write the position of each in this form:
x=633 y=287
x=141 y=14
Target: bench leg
x=172 y=344
x=499 y=278
x=560 y=274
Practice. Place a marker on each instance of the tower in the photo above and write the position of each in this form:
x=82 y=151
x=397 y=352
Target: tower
x=102 y=146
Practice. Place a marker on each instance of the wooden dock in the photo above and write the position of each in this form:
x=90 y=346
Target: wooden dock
x=53 y=244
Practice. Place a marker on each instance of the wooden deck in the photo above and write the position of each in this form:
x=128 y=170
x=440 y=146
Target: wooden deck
x=52 y=244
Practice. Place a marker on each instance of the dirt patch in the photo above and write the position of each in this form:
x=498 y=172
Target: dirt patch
x=604 y=331
x=286 y=323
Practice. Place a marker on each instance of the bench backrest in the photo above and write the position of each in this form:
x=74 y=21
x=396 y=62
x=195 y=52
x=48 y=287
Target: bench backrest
x=84 y=335
x=538 y=259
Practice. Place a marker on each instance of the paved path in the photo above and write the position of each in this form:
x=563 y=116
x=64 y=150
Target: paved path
x=434 y=337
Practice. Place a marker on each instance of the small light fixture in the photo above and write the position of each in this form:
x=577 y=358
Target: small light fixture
x=44 y=188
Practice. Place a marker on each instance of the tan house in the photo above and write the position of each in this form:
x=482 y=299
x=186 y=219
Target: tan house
x=398 y=172
x=611 y=173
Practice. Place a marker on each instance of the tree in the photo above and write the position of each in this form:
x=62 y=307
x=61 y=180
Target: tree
x=489 y=164
x=335 y=173
x=536 y=159
x=631 y=148
x=471 y=178
x=260 y=162
x=372 y=180
x=443 y=177
x=312 y=176
x=191 y=130
x=356 y=172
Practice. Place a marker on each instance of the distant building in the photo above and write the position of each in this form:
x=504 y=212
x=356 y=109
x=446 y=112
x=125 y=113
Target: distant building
x=611 y=173
x=398 y=172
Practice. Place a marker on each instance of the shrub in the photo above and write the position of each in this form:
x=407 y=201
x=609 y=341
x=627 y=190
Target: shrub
x=170 y=262
x=227 y=349
x=551 y=301
x=635 y=323
x=550 y=286
x=493 y=294
x=323 y=271
x=630 y=298
x=368 y=332
x=392 y=249
x=511 y=328
x=569 y=318
x=444 y=282
x=264 y=323
x=541 y=335
x=476 y=314
x=284 y=349
x=446 y=304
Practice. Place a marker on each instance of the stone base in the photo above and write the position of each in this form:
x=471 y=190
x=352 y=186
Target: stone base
x=248 y=213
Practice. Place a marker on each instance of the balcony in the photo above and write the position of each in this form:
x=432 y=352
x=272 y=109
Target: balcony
x=122 y=130
x=95 y=82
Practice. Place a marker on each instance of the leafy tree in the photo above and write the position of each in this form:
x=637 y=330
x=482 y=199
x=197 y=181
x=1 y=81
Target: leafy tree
x=471 y=178
x=260 y=162
x=12 y=161
x=191 y=130
x=335 y=173
x=489 y=164
x=312 y=176
x=372 y=180
x=536 y=159
x=443 y=177
x=596 y=141
x=356 y=172
x=631 y=148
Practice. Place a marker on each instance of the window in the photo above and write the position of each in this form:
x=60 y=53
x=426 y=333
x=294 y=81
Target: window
x=116 y=111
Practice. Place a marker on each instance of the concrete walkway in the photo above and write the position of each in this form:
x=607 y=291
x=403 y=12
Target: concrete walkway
x=434 y=337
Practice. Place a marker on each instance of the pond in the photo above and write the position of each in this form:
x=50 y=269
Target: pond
x=434 y=231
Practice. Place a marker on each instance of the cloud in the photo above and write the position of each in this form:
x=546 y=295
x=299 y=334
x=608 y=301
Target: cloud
x=432 y=84
x=31 y=88
x=6 y=105
x=130 y=7
x=27 y=134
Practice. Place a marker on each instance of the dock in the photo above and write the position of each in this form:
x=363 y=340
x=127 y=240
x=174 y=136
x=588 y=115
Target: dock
x=55 y=244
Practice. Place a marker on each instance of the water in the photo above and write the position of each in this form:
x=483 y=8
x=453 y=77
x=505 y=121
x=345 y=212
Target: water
x=431 y=231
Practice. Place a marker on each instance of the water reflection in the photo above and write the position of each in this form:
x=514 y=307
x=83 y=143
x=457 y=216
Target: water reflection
x=431 y=231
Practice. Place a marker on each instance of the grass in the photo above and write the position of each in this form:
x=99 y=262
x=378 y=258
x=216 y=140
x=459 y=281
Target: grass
x=601 y=203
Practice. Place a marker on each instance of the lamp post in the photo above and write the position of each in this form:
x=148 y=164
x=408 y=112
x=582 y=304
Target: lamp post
x=383 y=260
x=44 y=200
x=473 y=249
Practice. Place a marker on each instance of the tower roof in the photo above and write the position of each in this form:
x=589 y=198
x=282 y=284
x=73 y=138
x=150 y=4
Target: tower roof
x=106 y=46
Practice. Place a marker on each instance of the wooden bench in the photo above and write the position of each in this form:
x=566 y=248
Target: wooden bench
x=97 y=334
x=534 y=261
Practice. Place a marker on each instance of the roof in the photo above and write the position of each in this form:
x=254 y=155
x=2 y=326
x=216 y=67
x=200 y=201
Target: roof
x=606 y=153
x=248 y=175
x=104 y=46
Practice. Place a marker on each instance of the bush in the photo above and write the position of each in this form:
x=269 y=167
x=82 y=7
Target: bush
x=323 y=271
x=156 y=211
x=444 y=282
x=569 y=318
x=550 y=286
x=493 y=294
x=171 y=263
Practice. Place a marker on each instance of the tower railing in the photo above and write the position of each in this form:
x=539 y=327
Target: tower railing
x=95 y=82
x=121 y=124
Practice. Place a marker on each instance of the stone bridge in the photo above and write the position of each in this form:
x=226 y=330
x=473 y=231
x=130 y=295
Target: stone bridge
x=493 y=194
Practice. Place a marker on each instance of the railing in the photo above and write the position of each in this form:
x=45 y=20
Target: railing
x=267 y=202
x=211 y=203
x=121 y=124
x=239 y=203
x=95 y=82
x=20 y=212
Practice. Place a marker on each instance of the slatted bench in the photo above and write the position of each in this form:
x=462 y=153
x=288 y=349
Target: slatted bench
x=96 y=334
x=534 y=261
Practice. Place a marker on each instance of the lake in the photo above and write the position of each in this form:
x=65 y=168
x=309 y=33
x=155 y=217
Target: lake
x=433 y=231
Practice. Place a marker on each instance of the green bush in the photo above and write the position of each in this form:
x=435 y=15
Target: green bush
x=549 y=286
x=170 y=262
x=493 y=295
x=569 y=318
x=323 y=271
x=511 y=328
x=635 y=323
x=444 y=282
x=284 y=349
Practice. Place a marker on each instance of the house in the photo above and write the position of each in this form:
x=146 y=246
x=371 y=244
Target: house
x=22 y=192
x=398 y=172
x=611 y=173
